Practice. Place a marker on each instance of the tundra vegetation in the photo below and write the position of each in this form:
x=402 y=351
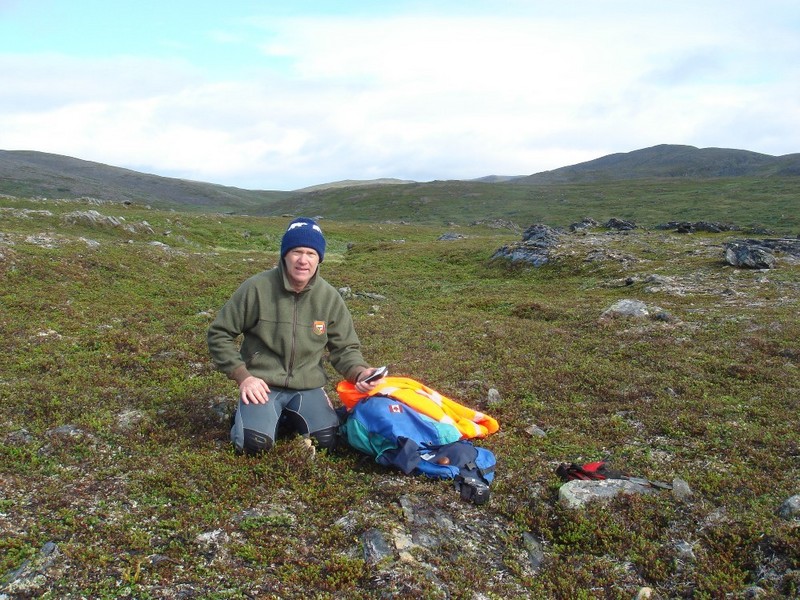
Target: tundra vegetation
x=118 y=480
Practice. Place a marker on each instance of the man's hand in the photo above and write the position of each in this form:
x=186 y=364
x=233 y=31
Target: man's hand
x=254 y=390
x=366 y=387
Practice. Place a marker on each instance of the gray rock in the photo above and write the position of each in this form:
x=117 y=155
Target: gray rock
x=371 y=295
x=535 y=431
x=658 y=279
x=626 y=308
x=681 y=490
x=544 y=234
x=576 y=494
x=348 y=522
x=691 y=227
x=376 y=547
x=31 y=576
x=685 y=552
x=535 y=550
x=128 y=419
x=19 y=437
x=662 y=315
x=92 y=218
x=426 y=539
x=531 y=254
x=583 y=224
x=790 y=509
x=221 y=407
x=748 y=255
x=619 y=224
x=64 y=431
x=789 y=246
x=755 y=592
x=44 y=240
x=493 y=397
x=534 y=249
x=407 y=504
x=212 y=540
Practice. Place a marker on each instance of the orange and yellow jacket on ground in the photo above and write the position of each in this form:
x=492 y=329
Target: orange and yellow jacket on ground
x=412 y=393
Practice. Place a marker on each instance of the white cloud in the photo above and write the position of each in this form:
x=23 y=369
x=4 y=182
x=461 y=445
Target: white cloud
x=426 y=98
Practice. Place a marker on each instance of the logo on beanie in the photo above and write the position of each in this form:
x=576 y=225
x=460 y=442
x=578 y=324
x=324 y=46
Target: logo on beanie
x=304 y=224
x=319 y=327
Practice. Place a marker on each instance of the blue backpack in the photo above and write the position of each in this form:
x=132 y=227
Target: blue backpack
x=401 y=437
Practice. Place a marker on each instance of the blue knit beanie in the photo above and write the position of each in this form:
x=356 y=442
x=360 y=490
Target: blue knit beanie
x=306 y=233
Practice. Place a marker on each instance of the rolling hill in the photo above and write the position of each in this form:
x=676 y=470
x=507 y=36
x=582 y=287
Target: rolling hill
x=670 y=161
x=37 y=174
x=651 y=185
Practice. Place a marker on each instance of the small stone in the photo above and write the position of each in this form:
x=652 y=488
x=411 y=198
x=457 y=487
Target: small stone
x=685 y=551
x=129 y=418
x=21 y=436
x=627 y=308
x=375 y=546
x=790 y=509
x=681 y=490
x=493 y=397
x=535 y=551
x=64 y=431
x=535 y=431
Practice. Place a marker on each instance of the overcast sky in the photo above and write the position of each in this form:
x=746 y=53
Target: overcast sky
x=283 y=95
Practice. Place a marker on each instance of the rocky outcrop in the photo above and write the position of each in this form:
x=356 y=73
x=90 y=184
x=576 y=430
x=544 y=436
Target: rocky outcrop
x=749 y=255
x=619 y=224
x=692 y=227
x=93 y=218
x=537 y=242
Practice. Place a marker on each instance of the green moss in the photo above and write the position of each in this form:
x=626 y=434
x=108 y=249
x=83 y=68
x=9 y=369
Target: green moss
x=92 y=334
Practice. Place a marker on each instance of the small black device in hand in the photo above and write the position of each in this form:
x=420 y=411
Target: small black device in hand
x=377 y=374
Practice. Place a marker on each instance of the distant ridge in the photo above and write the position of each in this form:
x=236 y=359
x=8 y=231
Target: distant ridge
x=30 y=173
x=496 y=178
x=346 y=183
x=670 y=160
x=39 y=174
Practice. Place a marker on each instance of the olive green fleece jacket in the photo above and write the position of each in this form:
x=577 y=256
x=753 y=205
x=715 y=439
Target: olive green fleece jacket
x=285 y=333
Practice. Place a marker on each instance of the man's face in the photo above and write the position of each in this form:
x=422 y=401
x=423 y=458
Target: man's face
x=301 y=264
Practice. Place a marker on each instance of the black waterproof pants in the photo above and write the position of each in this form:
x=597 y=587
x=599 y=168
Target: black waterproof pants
x=255 y=426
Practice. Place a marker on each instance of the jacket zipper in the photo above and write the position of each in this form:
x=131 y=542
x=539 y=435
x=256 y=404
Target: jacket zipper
x=294 y=341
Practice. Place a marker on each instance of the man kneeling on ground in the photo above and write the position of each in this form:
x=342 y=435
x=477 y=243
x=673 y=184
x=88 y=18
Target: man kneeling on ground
x=289 y=316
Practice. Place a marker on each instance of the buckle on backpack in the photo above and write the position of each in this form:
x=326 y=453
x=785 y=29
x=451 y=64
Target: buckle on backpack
x=472 y=489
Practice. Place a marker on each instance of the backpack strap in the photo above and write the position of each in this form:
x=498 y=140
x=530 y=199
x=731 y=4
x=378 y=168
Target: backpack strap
x=487 y=472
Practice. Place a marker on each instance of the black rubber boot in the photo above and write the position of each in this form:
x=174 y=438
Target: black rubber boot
x=256 y=442
x=326 y=438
